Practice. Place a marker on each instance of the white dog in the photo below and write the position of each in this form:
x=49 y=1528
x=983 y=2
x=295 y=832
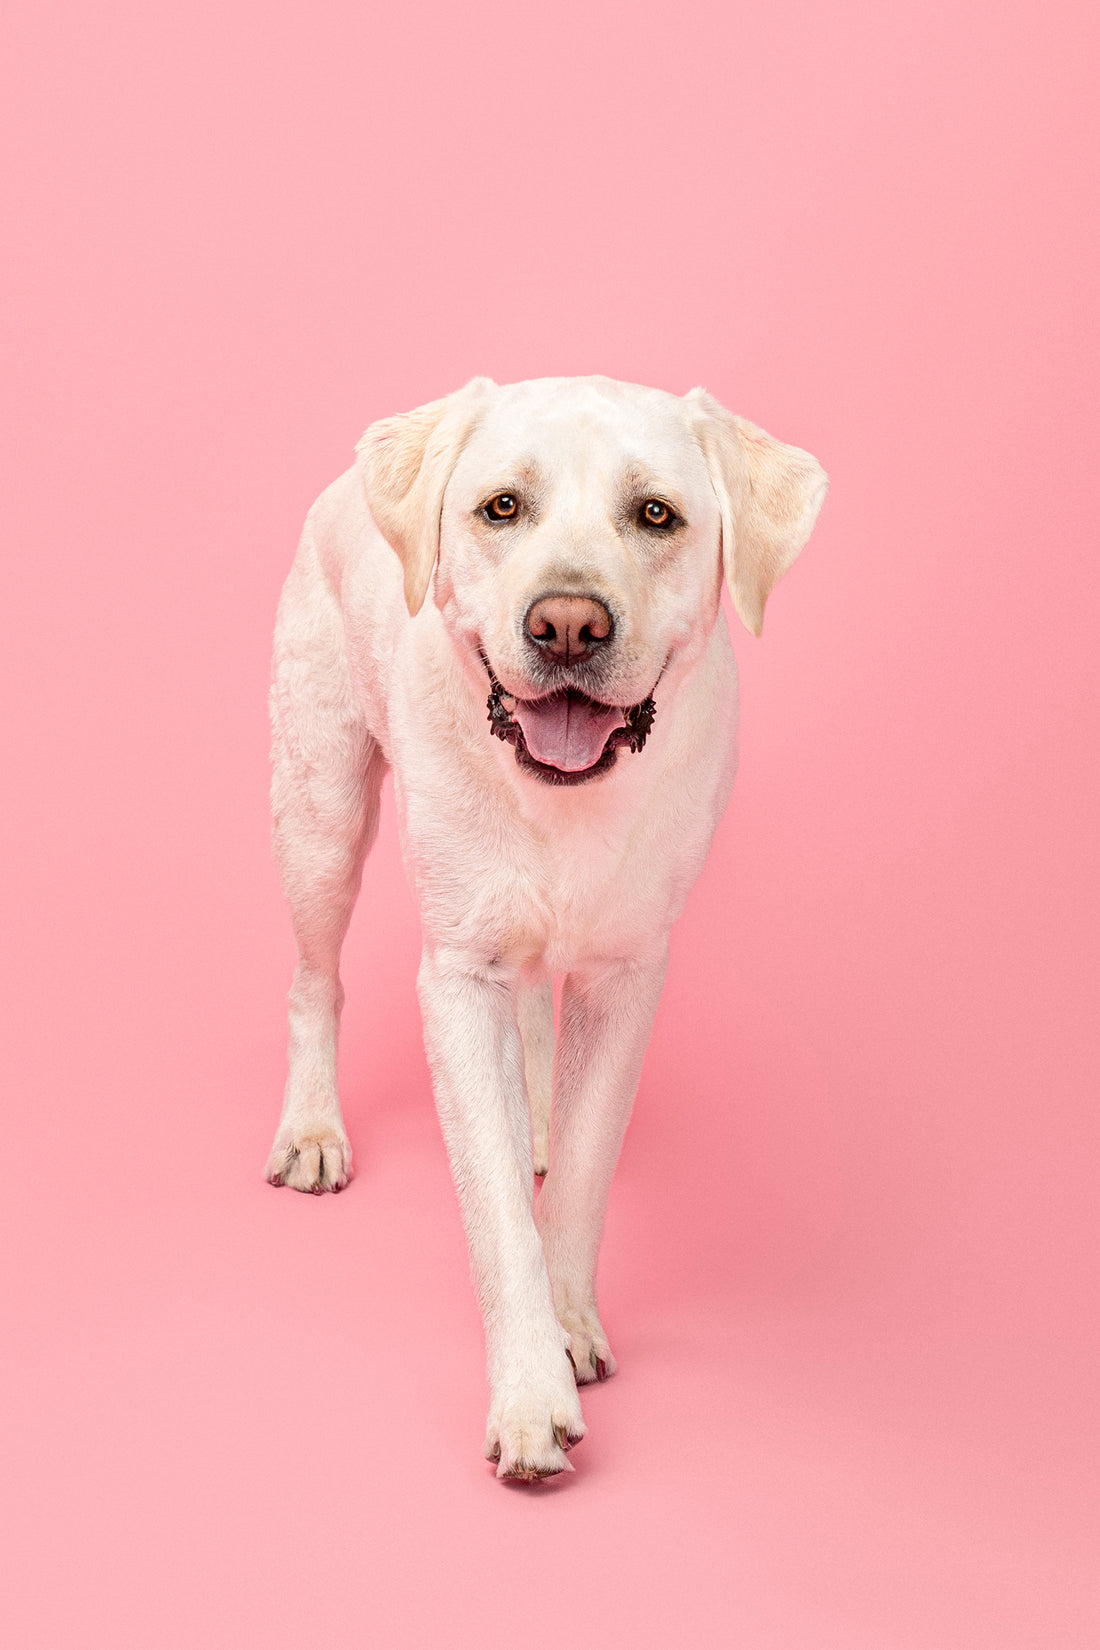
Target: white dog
x=573 y=535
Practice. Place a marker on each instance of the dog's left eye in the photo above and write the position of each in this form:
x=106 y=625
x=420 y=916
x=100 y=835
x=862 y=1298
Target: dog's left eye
x=502 y=507
x=656 y=513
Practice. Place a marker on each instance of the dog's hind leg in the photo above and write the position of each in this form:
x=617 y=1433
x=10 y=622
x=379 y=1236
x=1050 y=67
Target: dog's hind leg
x=605 y=1022
x=328 y=772
x=535 y=1012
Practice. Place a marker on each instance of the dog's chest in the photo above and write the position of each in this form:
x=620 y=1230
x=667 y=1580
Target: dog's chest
x=597 y=890
x=547 y=891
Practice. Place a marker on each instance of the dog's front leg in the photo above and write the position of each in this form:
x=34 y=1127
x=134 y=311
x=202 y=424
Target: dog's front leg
x=476 y=1056
x=606 y=1016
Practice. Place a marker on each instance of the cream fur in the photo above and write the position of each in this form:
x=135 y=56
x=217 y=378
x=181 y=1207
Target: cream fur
x=518 y=882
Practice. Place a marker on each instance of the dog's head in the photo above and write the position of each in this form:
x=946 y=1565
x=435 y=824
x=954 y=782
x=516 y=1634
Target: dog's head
x=578 y=531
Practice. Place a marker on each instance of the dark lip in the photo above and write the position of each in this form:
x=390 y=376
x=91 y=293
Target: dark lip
x=633 y=733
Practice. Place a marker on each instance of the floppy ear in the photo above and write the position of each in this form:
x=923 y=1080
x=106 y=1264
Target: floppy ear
x=769 y=496
x=407 y=463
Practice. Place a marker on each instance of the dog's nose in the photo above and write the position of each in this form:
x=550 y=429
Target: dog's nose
x=568 y=629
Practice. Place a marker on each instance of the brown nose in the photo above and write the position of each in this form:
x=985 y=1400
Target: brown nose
x=569 y=628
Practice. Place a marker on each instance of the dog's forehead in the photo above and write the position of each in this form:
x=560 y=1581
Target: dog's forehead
x=570 y=424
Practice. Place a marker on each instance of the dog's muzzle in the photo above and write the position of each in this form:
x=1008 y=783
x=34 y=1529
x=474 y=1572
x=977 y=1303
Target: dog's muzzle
x=567 y=727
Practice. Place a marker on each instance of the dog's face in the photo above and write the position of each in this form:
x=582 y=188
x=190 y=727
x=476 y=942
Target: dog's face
x=578 y=530
x=579 y=551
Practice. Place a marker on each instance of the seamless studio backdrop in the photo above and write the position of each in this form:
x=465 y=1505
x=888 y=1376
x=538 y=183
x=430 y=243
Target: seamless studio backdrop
x=850 y=1269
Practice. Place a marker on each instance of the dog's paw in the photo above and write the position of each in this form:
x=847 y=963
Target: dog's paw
x=528 y=1437
x=589 y=1352
x=310 y=1159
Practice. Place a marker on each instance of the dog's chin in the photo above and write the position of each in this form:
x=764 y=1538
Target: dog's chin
x=549 y=775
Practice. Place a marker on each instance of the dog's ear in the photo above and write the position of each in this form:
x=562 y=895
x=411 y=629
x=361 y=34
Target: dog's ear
x=407 y=462
x=769 y=495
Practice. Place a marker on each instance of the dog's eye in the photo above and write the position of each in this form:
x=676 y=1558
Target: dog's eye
x=503 y=507
x=656 y=513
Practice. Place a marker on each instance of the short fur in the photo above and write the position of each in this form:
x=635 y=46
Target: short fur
x=519 y=881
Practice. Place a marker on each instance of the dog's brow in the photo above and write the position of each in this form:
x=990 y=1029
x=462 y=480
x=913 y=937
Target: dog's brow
x=638 y=482
x=524 y=475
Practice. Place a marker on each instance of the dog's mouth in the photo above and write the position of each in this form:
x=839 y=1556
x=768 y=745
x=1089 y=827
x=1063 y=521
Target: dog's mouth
x=566 y=738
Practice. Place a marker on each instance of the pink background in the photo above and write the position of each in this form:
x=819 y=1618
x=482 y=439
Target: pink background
x=850 y=1269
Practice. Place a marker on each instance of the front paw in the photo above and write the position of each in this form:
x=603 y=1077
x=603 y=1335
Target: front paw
x=529 y=1434
x=589 y=1352
x=316 y=1159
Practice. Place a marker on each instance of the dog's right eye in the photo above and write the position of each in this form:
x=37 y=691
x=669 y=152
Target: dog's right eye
x=501 y=507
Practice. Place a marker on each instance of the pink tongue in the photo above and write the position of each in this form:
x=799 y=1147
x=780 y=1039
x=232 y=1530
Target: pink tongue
x=566 y=732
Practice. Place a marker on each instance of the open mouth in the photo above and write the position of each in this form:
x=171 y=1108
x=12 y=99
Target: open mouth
x=566 y=738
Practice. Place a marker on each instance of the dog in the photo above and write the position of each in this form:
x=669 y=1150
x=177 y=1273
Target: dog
x=512 y=599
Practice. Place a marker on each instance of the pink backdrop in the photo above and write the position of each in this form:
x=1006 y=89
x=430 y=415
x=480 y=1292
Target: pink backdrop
x=850 y=1269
